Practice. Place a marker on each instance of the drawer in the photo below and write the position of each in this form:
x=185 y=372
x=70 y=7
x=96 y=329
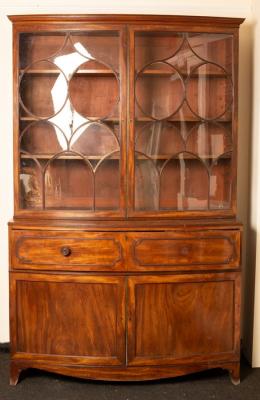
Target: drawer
x=183 y=250
x=77 y=251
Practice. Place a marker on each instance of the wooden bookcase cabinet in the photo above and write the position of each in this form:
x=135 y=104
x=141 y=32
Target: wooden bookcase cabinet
x=125 y=152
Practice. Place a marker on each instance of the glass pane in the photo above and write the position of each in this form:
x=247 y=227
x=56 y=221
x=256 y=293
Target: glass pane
x=107 y=183
x=93 y=139
x=213 y=47
x=184 y=183
x=69 y=183
x=69 y=120
x=42 y=137
x=209 y=140
x=41 y=46
x=221 y=183
x=159 y=91
x=146 y=183
x=102 y=46
x=183 y=120
x=43 y=94
x=209 y=92
x=94 y=93
x=160 y=139
x=153 y=46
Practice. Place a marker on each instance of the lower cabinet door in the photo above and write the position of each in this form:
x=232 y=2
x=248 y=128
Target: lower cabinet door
x=68 y=318
x=180 y=319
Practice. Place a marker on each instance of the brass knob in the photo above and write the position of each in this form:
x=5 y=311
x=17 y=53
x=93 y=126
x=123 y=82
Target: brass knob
x=65 y=251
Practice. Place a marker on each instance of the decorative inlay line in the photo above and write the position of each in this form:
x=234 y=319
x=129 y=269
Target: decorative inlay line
x=20 y=241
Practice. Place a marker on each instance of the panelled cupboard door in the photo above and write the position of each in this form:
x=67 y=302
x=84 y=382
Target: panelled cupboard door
x=183 y=130
x=71 y=120
x=182 y=319
x=68 y=318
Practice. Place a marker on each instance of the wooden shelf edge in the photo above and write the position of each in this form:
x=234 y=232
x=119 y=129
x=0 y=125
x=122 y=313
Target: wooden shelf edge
x=104 y=72
x=140 y=157
x=66 y=157
x=93 y=119
x=147 y=119
x=101 y=72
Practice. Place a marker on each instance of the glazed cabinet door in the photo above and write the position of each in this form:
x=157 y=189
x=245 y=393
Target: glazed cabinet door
x=71 y=122
x=183 y=122
x=182 y=319
x=68 y=318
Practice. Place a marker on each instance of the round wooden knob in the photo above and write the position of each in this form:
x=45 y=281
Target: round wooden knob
x=184 y=251
x=65 y=251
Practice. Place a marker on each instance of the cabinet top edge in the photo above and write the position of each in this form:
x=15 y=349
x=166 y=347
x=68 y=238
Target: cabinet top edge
x=126 y=18
x=126 y=225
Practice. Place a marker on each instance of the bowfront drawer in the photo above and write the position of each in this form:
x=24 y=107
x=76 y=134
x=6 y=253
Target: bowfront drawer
x=183 y=251
x=76 y=251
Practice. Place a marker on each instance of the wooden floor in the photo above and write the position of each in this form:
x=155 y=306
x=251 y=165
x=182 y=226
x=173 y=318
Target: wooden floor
x=210 y=385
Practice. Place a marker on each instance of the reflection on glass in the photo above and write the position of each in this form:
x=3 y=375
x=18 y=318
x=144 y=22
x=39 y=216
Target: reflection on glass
x=103 y=46
x=153 y=46
x=184 y=183
x=184 y=60
x=146 y=184
x=213 y=47
x=68 y=119
x=209 y=141
x=221 y=183
x=160 y=139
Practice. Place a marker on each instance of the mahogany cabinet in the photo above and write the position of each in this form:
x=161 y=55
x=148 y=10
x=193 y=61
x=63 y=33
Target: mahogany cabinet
x=125 y=251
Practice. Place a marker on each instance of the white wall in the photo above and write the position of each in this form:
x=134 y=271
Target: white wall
x=252 y=281
x=232 y=8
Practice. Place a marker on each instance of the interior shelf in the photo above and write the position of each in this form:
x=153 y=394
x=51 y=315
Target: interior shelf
x=159 y=72
x=101 y=72
x=104 y=72
x=184 y=119
x=184 y=157
x=66 y=157
x=92 y=119
x=117 y=157
x=140 y=119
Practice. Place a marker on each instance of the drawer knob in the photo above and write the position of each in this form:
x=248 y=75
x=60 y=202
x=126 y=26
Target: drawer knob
x=65 y=251
x=184 y=251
